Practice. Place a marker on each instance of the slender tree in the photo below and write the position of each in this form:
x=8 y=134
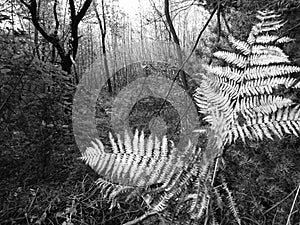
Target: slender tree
x=176 y=41
x=102 y=25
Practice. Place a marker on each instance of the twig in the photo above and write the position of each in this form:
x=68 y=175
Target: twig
x=293 y=205
x=278 y=203
x=187 y=58
x=139 y=219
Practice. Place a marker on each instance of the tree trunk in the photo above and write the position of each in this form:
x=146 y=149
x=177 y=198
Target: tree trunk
x=103 y=45
x=66 y=63
x=67 y=55
x=177 y=43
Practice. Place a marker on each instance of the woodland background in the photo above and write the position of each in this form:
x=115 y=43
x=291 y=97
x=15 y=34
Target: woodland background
x=47 y=47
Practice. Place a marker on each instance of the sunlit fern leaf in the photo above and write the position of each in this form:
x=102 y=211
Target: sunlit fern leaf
x=250 y=91
x=201 y=205
x=217 y=197
x=216 y=101
x=231 y=57
x=221 y=84
x=268 y=50
x=265 y=15
x=267 y=26
x=234 y=210
x=264 y=86
x=132 y=166
x=110 y=190
x=226 y=72
x=243 y=46
x=200 y=198
x=286 y=120
x=266 y=59
x=161 y=203
x=270 y=71
x=264 y=104
x=269 y=39
x=297 y=85
x=178 y=186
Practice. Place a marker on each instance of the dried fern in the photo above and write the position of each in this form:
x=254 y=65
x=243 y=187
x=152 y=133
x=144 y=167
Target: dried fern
x=247 y=88
x=239 y=101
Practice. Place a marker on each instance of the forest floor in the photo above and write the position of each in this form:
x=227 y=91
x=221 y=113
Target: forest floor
x=63 y=191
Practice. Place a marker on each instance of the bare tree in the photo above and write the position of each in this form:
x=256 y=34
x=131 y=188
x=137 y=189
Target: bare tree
x=67 y=54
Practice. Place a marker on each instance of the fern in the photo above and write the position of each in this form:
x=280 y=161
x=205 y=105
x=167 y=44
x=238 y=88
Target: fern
x=239 y=101
x=247 y=88
x=136 y=162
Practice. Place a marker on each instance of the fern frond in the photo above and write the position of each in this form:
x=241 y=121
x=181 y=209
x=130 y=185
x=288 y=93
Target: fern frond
x=226 y=72
x=297 y=85
x=265 y=15
x=264 y=86
x=243 y=46
x=161 y=203
x=231 y=204
x=286 y=120
x=213 y=220
x=202 y=205
x=267 y=26
x=233 y=58
x=266 y=59
x=268 y=50
x=208 y=101
x=132 y=166
x=270 y=71
x=110 y=190
x=264 y=104
x=267 y=39
x=223 y=85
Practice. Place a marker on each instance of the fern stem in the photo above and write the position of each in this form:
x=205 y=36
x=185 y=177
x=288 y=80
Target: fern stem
x=294 y=202
x=139 y=219
x=212 y=184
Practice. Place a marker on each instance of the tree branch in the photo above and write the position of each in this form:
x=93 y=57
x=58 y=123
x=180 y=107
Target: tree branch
x=72 y=9
x=35 y=20
x=104 y=20
x=98 y=18
x=160 y=15
x=55 y=16
x=170 y=23
x=83 y=11
x=24 y=3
